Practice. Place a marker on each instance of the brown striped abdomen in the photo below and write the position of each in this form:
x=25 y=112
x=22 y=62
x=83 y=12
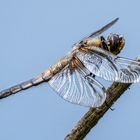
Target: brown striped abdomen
x=43 y=77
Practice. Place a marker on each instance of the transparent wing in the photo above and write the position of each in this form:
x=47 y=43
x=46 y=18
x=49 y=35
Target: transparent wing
x=110 y=67
x=101 y=30
x=77 y=87
x=104 y=28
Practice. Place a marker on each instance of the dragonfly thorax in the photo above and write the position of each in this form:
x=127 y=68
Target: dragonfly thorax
x=114 y=43
x=91 y=42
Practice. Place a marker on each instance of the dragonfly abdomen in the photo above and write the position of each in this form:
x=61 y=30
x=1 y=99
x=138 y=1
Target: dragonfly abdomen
x=54 y=69
x=22 y=86
x=43 y=77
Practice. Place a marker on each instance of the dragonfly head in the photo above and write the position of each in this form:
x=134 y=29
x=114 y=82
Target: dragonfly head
x=116 y=43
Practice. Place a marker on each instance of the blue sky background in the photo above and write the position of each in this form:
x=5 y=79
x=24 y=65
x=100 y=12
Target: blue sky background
x=35 y=34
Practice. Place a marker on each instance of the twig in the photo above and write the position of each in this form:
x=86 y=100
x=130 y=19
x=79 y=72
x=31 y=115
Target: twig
x=90 y=119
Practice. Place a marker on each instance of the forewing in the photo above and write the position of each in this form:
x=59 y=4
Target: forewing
x=104 y=28
x=110 y=67
x=78 y=88
x=101 y=30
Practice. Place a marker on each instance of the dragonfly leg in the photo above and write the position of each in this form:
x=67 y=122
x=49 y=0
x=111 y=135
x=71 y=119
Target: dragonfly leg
x=104 y=43
x=112 y=109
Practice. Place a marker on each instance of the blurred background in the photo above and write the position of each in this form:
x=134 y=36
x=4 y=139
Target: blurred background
x=34 y=34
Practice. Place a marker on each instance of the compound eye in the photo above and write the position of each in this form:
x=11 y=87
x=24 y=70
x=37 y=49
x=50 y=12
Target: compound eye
x=120 y=37
x=115 y=43
x=113 y=39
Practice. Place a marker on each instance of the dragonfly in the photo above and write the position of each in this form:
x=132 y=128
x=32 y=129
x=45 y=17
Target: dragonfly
x=74 y=76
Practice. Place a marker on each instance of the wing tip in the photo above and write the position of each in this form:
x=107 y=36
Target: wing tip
x=115 y=20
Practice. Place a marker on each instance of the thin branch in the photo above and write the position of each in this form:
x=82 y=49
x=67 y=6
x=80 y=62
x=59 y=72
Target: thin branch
x=91 y=118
